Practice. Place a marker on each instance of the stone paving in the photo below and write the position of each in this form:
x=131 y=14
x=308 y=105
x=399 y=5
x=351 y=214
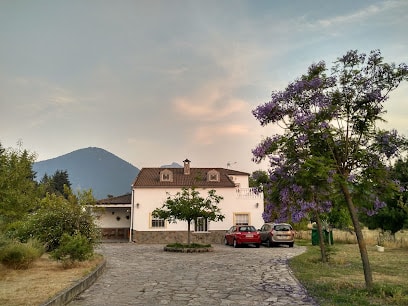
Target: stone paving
x=146 y=275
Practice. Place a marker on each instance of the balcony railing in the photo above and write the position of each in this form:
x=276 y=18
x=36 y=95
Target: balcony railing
x=252 y=192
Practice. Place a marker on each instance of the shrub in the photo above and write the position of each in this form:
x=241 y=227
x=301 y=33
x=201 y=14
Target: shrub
x=73 y=248
x=56 y=217
x=17 y=255
x=36 y=245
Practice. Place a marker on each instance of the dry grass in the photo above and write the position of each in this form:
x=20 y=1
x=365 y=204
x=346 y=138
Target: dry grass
x=42 y=281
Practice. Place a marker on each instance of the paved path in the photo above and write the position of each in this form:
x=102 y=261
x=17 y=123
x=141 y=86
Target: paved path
x=146 y=275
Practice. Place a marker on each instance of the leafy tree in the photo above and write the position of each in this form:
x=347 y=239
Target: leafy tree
x=188 y=205
x=394 y=216
x=334 y=118
x=18 y=193
x=258 y=178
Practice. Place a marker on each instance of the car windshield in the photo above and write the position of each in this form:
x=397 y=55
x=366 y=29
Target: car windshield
x=247 y=229
x=283 y=227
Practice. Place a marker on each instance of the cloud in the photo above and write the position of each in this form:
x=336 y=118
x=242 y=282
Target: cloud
x=360 y=15
x=213 y=101
x=210 y=134
x=61 y=97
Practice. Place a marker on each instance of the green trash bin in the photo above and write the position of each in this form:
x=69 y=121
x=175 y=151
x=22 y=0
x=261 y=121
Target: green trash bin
x=315 y=236
x=327 y=237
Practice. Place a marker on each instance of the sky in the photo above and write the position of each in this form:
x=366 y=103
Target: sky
x=156 y=82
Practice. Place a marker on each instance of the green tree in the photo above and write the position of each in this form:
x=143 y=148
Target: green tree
x=56 y=182
x=18 y=192
x=258 y=178
x=394 y=216
x=335 y=117
x=188 y=205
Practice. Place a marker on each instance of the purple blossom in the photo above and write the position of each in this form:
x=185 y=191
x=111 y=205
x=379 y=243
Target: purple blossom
x=315 y=83
x=301 y=140
x=297 y=189
x=269 y=112
x=264 y=148
x=284 y=195
x=324 y=125
x=379 y=204
x=351 y=178
x=303 y=119
x=387 y=142
x=297 y=216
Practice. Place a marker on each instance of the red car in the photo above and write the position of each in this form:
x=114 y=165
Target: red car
x=242 y=234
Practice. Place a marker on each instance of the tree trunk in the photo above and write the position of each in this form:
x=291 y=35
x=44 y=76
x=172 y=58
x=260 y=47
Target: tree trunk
x=188 y=232
x=321 y=238
x=360 y=239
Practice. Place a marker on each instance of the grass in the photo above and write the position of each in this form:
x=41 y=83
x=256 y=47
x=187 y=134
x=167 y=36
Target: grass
x=341 y=281
x=43 y=280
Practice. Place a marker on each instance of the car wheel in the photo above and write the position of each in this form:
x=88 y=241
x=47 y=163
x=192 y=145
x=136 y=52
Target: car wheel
x=269 y=243
x=291 y=245
x=257 y=245
x=225 y=241
x=235 y=244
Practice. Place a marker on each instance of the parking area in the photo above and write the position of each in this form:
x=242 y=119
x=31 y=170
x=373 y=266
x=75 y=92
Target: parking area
x=146 y=275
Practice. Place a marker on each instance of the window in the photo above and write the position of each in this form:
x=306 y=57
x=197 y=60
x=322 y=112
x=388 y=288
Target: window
x=241 y=219
x=157 y=222
x=201 y=224
x=166 y=176
x=213 y=176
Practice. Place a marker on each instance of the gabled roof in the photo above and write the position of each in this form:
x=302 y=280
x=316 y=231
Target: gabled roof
x=150 y=177
x=123 y=199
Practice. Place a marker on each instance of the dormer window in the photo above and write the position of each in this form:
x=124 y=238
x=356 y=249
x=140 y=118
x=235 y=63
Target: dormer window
x=166 y=176
x=213 y=176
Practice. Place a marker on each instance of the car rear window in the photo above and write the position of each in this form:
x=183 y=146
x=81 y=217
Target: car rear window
x=282 y=227
x=247 y=229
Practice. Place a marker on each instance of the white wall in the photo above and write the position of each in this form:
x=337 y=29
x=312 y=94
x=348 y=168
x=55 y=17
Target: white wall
x=240 y=180
x=148 y=199
x=109 y=220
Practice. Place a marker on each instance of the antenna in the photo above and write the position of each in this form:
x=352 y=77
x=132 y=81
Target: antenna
x=229 y=164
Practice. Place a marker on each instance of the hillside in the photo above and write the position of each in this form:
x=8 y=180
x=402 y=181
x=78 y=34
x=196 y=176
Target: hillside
x=92 y=168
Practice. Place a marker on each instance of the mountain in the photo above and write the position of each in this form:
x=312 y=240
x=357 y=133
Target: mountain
x=92 y=168
x=172 y=165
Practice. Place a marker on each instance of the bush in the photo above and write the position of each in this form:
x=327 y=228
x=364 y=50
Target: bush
x=56 y=217
x=17 y=255
x=73 y=248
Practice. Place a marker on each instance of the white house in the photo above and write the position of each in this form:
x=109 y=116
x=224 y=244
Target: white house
x=240 y=205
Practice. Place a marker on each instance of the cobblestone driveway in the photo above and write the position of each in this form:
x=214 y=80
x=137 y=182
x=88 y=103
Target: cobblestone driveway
x=146 y=275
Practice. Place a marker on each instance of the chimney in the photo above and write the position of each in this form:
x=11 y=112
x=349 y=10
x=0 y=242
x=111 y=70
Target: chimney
x=186 y=166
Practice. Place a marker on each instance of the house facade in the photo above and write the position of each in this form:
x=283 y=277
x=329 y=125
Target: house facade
x=240 y=205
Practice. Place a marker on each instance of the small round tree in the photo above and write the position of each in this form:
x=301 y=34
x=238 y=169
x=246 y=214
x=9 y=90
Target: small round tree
x=188 y=205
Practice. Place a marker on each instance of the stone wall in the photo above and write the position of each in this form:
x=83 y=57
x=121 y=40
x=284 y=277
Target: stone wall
x=370 y=236
x=165 y=237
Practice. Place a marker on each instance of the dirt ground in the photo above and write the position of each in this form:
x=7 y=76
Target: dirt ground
x=42 y=281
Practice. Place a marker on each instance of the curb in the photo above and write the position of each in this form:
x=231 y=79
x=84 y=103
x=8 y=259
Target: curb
x=69 y=294
x=188 y=250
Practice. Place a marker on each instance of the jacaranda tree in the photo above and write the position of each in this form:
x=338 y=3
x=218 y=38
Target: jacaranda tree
x=330 y=117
